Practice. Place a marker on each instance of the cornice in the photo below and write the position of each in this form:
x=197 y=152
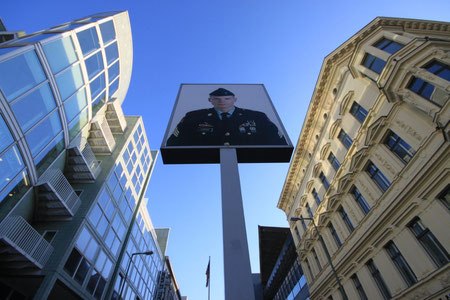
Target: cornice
x=328 y=69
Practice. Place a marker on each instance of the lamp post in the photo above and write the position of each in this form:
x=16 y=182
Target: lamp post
x=341 y=288
x=124 y=279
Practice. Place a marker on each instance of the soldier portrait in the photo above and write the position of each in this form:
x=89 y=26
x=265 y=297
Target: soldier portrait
x=223 y=122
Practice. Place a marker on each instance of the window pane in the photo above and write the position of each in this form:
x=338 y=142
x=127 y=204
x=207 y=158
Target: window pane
x=97 y=86
x=10 y=165
x=60 y=54
x=94 y=64
x=82 y=271
x=113 y=71
x=75 y=104
x=78 y=124
x=72 y=262
x=98 y=103
x=48 y=156
x=34 y=107
x=91 y=250
x=113 y=87
x=108 y=33
x=19 y=74
x=88 y=40
x=69 y=81
x=6 y=138
x=42 y=134
x=111 y=52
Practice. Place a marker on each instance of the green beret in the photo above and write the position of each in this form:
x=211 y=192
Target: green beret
x=221 y=92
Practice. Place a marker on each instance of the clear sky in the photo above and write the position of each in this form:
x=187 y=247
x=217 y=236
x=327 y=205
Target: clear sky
x=281 y=44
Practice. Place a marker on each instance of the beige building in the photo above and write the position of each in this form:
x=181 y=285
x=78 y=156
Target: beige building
x=372 y=166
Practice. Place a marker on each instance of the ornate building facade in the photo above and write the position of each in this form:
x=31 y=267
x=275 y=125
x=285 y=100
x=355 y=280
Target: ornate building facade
x=371 y=167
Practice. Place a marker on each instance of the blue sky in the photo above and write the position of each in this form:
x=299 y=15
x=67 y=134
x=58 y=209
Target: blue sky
x=281 y=44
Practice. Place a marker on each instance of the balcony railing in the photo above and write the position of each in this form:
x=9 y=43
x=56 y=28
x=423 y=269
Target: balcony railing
x=82 y=164
x=56 y=195
x=19 y=240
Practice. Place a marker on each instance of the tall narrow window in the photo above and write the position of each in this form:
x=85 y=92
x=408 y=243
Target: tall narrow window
x=359 y=112
x=316 y=196
x=426 y=89
x=334 y=234
x=365 y=207
x=399 y=147
x=376 y=275
x=378 y=177
x=303 y=223
x=429 y=242
x=346 y=219
x=299 y=237
x=309 y=211
x=334 y=161
x=316 y=258
x=309 y=268
x=359 y=287
x=444 y=196
x=401 y=264
x=324 y=180
x=345 y=139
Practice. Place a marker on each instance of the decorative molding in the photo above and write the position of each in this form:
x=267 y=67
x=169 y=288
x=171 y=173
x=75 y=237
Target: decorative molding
x=316 y=169
x=345 y=102
x=324 y=150
x=334 y=127
x=365 y=190
x=309 y=185
x=344 y=183
x=409 y=130
x=374 y=130
x=385 y=164
x=358 y=159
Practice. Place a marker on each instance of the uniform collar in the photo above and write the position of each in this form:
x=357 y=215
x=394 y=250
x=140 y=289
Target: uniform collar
x=230 y=112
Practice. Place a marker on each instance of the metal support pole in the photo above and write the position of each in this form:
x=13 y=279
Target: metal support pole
x=238 y=275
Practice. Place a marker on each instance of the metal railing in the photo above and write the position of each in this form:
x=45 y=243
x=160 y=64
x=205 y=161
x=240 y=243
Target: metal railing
x=25 y=239
x=85 y=148
x=62 y=188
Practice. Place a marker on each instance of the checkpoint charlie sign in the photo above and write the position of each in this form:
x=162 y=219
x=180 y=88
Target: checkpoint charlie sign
x=208 y=117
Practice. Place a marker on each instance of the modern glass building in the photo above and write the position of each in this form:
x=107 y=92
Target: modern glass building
x=73 y=168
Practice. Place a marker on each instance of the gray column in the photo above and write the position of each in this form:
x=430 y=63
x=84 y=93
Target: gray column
x=238 y=277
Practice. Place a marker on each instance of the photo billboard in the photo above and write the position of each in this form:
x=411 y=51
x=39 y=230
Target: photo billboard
x=207 y=117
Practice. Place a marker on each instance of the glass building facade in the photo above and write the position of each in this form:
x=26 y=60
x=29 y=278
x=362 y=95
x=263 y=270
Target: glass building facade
x=73 y=169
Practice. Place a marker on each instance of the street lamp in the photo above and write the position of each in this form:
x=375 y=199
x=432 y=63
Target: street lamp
x=341 y=288
x=124 y=279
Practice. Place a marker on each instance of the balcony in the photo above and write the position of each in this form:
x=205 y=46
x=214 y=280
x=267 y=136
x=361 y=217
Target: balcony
x=57 y=200
x=22 y=249
x=115 y=117
x=100 y=136
x=82 y=165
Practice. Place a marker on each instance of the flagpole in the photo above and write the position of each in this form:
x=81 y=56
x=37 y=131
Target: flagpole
x=209 y=285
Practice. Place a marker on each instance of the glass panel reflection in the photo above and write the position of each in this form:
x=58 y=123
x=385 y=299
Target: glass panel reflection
x=69 y=81
x=112 y=53
x=60 y=54
x=88 y=40
x=113 y=71
x=75 y=104
x=48 y=156
x=97 y=85
x=19 y=74
x=5 y=135
x=108 y=33
x=94 y=64
x=34 y=106
x=43 y=133
x=78 y=124
x=113 y=87
x=10 y=165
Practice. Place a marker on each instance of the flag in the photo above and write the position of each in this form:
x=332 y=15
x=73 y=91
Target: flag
x=207 y=273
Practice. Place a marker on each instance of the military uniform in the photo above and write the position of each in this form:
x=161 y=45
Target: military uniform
x=242 y=127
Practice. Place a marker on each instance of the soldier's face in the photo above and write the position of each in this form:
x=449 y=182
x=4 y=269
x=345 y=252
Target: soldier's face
x=223 y=103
